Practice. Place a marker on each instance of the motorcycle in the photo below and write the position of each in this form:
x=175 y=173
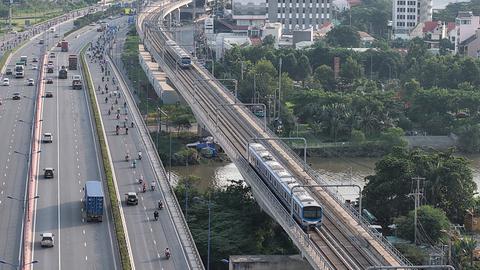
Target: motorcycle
x=160 y=205
x=152 y=186
x=144 y=188
x=155 y=215
x=127 y=157
x=167 y=254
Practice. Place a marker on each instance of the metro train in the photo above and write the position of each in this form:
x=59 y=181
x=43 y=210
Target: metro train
x=306 y=210
x=182 y=57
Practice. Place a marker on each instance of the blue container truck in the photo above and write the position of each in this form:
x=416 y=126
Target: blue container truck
x=93 y=200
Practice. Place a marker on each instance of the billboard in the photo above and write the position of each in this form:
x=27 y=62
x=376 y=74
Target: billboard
x=249 y=9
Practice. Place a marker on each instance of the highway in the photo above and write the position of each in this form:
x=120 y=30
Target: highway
x=75 y=157
x=148 y=238
x=341 y=243
x=16 y=118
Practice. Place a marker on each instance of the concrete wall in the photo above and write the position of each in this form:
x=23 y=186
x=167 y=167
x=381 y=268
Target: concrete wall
x=157 y=78
x=268 y=262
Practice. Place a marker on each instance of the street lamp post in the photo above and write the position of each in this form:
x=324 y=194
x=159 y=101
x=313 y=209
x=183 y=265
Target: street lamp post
x=16 y=266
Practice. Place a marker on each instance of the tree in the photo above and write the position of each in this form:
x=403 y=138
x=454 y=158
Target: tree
x=448 y=183
x=431 y=222
x=268 y=41
x=343 y=36
x=357 y=137
x=351 y=69
x=324 y=75
x=469 y=138
x=303 y=69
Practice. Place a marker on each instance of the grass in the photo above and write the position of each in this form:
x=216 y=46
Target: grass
x=112 y=192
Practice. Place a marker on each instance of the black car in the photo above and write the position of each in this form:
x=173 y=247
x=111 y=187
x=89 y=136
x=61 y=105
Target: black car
x=49 y=94
x=16 y=96
x=8 y=71
x=49 y=81
x=131 y=198
x=48 y=172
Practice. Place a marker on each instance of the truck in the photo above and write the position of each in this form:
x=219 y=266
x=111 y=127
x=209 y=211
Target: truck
x=62 y=73
x=19 y=70
x=64 y=46
x=77 y=82
x=72 y=62
x=93 y=200
x=24 y=59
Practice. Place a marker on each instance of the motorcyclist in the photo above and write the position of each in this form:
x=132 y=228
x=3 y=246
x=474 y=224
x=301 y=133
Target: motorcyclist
x=155 y=215
x=167 y=253
x=134 y=163
x=152 y=186
x=140 y=155
x=144 y=187
x=106 y=99
x=132 y=124
x=126 y=130
x=160 y=204
x=127 y=157
x=103 y=79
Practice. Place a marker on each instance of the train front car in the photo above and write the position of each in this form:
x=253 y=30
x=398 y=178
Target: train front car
x=305 y=210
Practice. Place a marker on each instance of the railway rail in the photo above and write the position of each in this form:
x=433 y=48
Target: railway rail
x=341 y=241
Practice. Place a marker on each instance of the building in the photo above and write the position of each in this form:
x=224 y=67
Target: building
x=407 y=14
x=249 y=13
x=466 y=25
x=471 y=46
x=298 y=14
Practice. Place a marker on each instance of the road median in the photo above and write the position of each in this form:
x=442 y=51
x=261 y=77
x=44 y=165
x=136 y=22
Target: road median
x=112 y=189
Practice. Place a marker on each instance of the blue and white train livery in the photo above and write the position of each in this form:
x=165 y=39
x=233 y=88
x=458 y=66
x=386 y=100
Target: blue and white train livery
x=182 y=57
x=306 y=210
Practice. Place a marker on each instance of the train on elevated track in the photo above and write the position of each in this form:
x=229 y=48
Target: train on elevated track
x=180 y=55
x=306 y=210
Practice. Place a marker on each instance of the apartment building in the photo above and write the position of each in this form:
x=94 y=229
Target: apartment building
x=407 y=14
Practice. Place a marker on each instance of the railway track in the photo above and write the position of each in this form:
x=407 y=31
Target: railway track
x=343 y=247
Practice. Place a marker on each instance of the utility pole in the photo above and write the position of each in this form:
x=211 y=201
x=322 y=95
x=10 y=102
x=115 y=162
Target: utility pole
x=279 y=87
x=10 y=15
x=417 y=193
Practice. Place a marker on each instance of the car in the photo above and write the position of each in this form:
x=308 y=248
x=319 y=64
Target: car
x=6 y=82
x=30 y=82
x=34 y=59
x=59 y=44
x=48 y=94
x=47 y=240
x=49 y=81
x=47 y=137
x=131 y=198
x=48 y=172
x=92 y=24
x=41 y=41
x=8 y=71
x=50 y=62
x=52 y=55
x=16 y=96
x=56 y=36
x=34 y=67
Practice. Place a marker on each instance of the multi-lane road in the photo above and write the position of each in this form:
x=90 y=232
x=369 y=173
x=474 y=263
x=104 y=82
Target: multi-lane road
x=75 y=157
x=148 y=238
x=73 y=154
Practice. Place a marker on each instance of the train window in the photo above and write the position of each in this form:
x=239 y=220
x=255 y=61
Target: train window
x=312 y=212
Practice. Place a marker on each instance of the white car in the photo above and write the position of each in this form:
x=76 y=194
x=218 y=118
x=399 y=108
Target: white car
x=47 y=137
x=47 y=240
x=34 y=67
x=6 y=82
x=30 y=82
